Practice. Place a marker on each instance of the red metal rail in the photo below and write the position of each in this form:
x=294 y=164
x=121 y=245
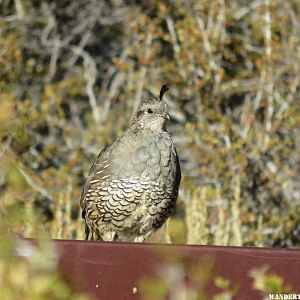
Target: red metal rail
x=115 y=270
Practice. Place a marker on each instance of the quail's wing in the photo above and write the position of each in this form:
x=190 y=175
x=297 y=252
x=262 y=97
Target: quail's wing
x=121 y=202
x=98 y=165
x=105 y=198
x=178 y=171
x=114 y=200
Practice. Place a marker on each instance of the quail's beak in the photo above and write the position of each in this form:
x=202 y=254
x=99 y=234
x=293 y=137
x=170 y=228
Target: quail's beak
x=165 y=116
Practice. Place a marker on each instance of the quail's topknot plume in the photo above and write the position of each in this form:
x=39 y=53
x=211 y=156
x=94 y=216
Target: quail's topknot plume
x=163 y=89
x=132 y=186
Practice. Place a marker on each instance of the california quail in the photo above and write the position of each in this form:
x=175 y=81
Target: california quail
x=132 y=186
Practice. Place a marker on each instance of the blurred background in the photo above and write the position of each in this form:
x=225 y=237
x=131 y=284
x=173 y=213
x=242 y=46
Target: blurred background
x=72 y=73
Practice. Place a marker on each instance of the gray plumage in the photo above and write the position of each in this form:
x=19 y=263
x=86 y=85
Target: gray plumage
x=133 y=185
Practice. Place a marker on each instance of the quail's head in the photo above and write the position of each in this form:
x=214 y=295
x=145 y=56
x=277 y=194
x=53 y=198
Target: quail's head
x=152 y=113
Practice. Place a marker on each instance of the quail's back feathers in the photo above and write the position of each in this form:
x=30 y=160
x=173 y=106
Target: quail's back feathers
x=132 y=186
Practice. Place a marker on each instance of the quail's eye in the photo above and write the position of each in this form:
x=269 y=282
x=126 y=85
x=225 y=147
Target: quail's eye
x=150 y=111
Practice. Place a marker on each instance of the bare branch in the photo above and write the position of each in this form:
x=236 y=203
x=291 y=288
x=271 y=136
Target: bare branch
x=90 y=76
x=35 y=186
x=142 y=77
x=247 y=9
x=269 y=87
x=19 y=9
x=176 y=45
x=55 y=52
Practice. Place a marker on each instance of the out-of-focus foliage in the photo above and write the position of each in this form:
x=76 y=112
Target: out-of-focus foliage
x=29 y=272
x=267 y=282
x=72 y=72
x=181 y=278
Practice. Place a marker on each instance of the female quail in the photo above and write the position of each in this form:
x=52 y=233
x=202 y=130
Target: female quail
x=132 y=186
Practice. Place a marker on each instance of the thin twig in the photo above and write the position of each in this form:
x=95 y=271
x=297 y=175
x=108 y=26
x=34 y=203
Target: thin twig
x=86 y=36
x=114 y=86
x=247 y=9
x=34 y=186
x=172 y=31
x=90 y=76
x=53 y=61
x=213 y=60
x=81 y=45
x=176 y=46
x=141 y=82
x=19 y=9
x=269 y=87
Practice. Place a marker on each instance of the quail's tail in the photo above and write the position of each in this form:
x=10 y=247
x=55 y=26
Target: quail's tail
x=89 y=235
